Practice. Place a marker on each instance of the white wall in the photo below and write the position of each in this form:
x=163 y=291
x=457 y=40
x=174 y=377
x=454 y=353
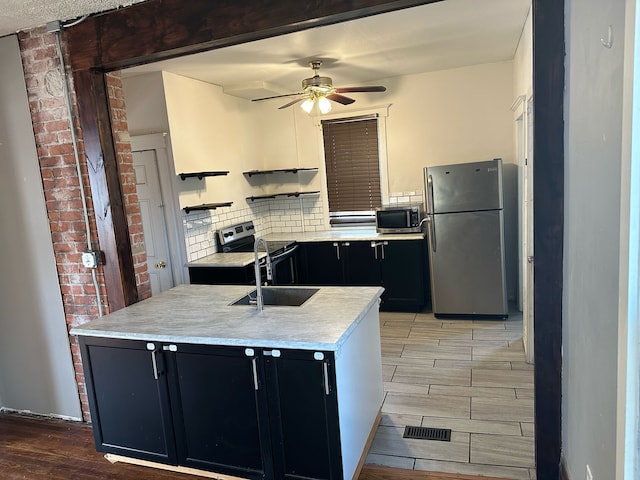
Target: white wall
x=36 y=371
x=523 y=61
x=147 y=110
x=209 y=131
x=593 y=125
x=449 y=116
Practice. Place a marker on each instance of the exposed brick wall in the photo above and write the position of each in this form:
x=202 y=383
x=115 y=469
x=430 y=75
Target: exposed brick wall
x=61 y=185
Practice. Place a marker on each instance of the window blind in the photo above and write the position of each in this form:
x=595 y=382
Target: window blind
x=352 y=164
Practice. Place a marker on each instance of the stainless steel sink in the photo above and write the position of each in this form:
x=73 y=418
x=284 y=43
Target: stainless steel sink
x=280 y=296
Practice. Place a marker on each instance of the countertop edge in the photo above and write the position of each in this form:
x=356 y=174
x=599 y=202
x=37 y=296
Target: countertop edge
x=246 y=342
x=244 y=259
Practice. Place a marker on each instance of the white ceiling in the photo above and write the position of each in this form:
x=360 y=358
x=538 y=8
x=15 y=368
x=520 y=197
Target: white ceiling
x=438 y=36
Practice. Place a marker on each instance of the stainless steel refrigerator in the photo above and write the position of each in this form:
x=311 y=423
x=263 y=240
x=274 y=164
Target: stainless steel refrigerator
x=465 y=231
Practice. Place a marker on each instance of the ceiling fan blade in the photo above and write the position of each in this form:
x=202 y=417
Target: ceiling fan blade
x=376 y=88
x=340 y=99
x=277 y=96
x=292 y=102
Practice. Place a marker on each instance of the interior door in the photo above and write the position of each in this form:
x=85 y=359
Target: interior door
x=153 y=221
x=527 y=210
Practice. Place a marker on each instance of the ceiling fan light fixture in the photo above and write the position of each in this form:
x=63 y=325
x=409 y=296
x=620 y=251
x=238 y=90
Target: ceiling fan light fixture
x=320 y=90
x=324 y=105
x=307 y=105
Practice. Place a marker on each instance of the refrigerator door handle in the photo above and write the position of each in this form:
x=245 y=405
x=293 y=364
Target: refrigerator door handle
x=432 y=232
x=430 y=205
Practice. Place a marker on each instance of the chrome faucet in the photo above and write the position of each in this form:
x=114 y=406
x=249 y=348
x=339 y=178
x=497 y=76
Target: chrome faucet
x=259 y=299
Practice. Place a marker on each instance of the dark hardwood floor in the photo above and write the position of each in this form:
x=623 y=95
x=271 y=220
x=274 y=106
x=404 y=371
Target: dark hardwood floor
x=33 y=448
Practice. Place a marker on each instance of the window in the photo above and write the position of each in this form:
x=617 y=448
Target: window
x=353 y=169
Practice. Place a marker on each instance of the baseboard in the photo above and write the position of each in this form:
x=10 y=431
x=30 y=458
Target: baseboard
x=29 y=413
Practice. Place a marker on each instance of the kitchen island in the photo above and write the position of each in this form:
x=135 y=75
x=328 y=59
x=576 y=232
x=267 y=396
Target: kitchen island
x=186 y=379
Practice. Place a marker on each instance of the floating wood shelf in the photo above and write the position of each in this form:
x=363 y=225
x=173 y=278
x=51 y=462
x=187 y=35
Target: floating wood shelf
x=283 y=194
x=201 y=175
x=280 y=170
x=206 y=206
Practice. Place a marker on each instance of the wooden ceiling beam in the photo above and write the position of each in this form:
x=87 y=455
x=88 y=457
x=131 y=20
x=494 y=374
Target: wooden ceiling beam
x=161 y=29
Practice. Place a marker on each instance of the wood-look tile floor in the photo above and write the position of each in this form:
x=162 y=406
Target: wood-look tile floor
x=466 y=375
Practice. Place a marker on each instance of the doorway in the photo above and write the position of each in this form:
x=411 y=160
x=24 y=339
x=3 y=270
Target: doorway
x=163 y=237
x=524 y=147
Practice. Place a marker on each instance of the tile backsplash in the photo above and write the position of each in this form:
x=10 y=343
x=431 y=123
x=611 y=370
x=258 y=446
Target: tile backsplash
x=291 y=214
x=414 y=198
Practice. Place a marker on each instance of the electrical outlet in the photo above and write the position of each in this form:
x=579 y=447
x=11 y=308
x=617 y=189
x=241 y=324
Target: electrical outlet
x=89 y=259
x=589 y=475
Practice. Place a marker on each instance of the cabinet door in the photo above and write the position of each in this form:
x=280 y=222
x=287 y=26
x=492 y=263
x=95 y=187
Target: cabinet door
x=222 y=275
x=128 y=397
x=404 y=274
x=304 y=414
x=321 y=263
x=363 y=267
x=217 y=403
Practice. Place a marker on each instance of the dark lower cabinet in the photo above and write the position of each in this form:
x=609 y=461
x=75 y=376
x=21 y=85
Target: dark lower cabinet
x=251 y=413
x=404 y=271
x=304 y=408
x=400 y=266
x=217 y=410
x=129 y=399
x=222 y=275
x=322 y=263
x=362 y=264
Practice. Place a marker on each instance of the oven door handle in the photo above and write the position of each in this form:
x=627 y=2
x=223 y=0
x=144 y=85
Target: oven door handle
x=284 y=254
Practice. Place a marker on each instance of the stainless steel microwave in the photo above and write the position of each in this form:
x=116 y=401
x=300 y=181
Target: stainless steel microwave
x=399 y=219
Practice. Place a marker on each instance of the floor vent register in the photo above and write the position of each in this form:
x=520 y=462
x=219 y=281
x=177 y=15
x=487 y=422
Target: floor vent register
x=427 y=433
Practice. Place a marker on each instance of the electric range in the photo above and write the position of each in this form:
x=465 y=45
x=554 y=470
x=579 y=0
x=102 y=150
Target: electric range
x=241 y=238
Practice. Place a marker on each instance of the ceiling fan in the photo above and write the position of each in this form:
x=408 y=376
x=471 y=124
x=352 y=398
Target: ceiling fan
x=320 y=90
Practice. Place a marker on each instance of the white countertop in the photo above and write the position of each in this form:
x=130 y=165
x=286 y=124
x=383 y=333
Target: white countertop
x=202 y=314
x=243 y=259
x=230 y=259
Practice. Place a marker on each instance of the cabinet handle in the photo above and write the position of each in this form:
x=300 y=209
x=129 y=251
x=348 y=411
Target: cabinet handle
x=325 y=371
x=272 y=353
x=335 y=244
x=374 y=245
x=382 y=247
x=155 y=365
x=170 y=348
x=254 y=364
x=152 y=348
